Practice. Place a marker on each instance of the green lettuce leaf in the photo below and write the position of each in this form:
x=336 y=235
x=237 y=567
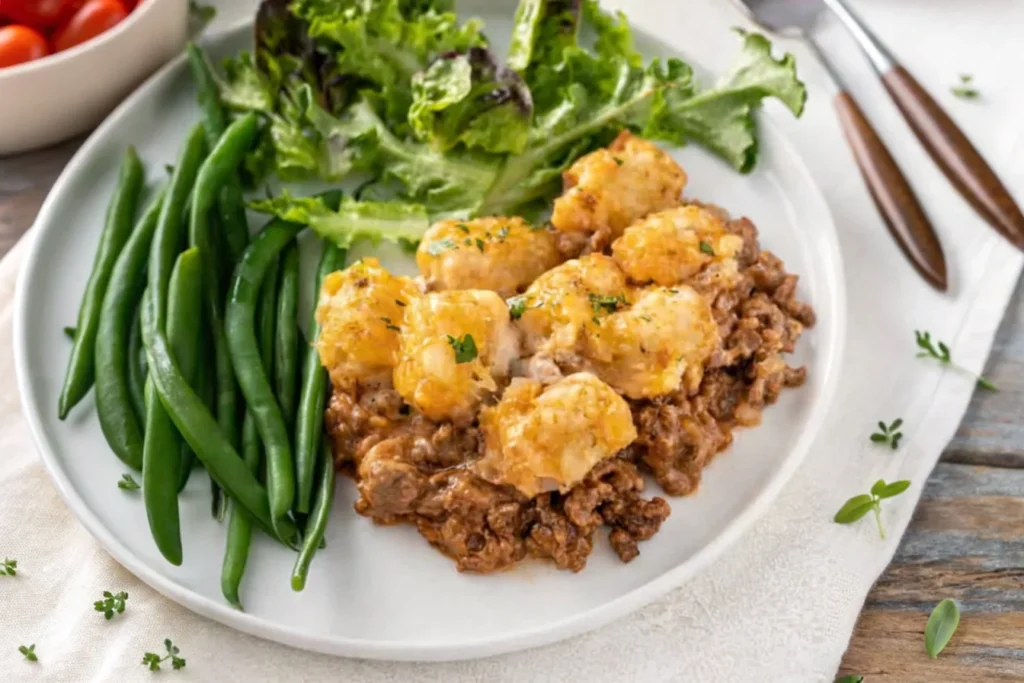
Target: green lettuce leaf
x=398 y=221
x=449 y=183
x=722 y=118
x=469 y=98
x=381 y=47
x=541 y=31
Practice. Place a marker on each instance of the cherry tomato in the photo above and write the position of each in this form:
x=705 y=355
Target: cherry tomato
x=20 y=44
x=38 y=14
x=94 y=17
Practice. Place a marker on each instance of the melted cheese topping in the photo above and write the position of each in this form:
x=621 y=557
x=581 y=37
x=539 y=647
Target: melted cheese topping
x=610 y=188
x=671 y=246
x=563 y=301
x=360 y=312
x=648 y=349
x=496 y=253
x=542 y=439
x=429 y=374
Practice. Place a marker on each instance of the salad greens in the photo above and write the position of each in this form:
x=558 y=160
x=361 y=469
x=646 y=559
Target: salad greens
x=405 y=94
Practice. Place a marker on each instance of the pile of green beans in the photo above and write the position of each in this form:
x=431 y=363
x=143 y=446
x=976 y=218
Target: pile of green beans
x=192 y=365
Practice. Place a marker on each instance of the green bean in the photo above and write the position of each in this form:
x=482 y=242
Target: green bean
x=120 y=422
x=200 y=429
x=184 y=309
x=116 y=230
x=218 y=167
x=309 y=420
x=245 y=356
x=170 y=226
x=230 y=206
x=286 y=346
x=236 y=553
x=161 y=463
x=317 y=520
x=203 y=385
x=137 y=365
x=239 y=526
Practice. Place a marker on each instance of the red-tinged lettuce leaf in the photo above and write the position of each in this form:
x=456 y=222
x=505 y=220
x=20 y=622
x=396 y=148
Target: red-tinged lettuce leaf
x=469 y=98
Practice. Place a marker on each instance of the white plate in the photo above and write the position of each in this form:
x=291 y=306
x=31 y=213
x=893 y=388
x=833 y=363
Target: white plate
x=383 y=592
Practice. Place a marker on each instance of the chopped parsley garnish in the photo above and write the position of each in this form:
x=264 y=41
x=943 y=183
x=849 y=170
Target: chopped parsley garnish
x=9 y=567
x=465 y=348
x=480 y=244
x=400 y=302
x=463 y=227
x=390 y=325
x=517 y=306
x=440 y=246
x=706 y=248
x=29 y=652
x=618 y=161
x=606 y=303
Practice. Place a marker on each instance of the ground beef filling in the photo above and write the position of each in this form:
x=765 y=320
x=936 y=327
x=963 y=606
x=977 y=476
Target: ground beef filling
x=411 y=470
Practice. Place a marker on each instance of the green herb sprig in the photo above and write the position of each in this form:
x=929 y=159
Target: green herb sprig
x=965 y=90
x=941 y=626
x=9 y=567
x=153 y=660
x=111 y=604
x=890 y=434
x=858 y=506
x=128 y=482
x=940 y=352
x=29 y=652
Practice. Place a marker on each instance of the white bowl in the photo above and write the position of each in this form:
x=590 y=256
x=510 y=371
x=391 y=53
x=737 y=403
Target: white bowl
x=62 y=95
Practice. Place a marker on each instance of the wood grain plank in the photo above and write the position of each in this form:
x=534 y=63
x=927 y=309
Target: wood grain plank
x=24 y=181
x=992 y=432
x=966 y=542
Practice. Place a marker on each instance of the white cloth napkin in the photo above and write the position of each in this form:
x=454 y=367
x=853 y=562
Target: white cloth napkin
x=781 y=603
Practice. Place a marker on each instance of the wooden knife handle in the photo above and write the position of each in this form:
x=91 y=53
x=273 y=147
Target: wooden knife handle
x=892 y=193
x=955 y=155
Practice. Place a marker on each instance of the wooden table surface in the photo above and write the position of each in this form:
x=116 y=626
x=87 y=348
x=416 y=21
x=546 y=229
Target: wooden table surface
x=966 y=540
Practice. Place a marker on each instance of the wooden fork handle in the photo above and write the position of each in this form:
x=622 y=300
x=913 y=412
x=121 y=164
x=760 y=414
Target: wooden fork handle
x=955 y=155
x=892 y=193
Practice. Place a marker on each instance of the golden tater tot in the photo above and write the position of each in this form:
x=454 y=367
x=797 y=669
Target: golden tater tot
x=496 y=253
x=543 y=439
x=452 y=347
x=671 y=246
x=650 y=347
x=561 y=302
x=360 y=311
x=608 y=189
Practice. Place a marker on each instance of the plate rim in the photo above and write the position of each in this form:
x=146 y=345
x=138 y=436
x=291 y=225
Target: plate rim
x=834 y=346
